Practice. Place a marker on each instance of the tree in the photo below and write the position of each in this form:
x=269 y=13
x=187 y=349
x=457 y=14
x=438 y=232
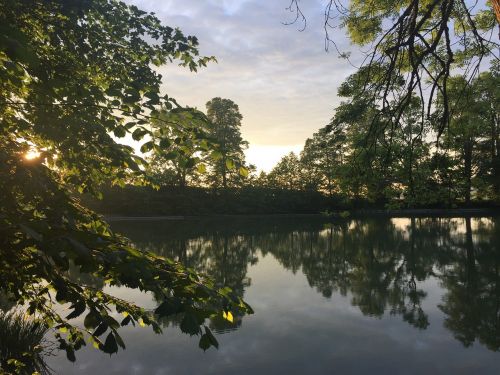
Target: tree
x=322 y=157
x=465 y=129
x=366 y=168
x=177 y=159
x=472 y=136
x=408 y=164
x=287 y=174
x=224 y=129
x=71 y=74
x=487 y=95
x=419 y=41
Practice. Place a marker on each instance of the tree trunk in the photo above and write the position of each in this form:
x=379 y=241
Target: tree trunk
x=495 y=155
x=411 y=183
x=329 y=175
x=224 y=177
x=182 y=179
x=468 y=170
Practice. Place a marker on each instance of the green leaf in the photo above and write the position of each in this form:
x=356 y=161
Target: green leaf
x=110 y=346
x=70 y=354
x=216 y=155
x=129 y=125
x=146 y=147
x=120 y=131
x=126 y=321
x=211 y=337
x=113 y=92
x=139 y=133
x=153 y=98
x=79 y=308
x=119 y=341
x=201 y=168
x=229 y=164
x=243 y=172
x=171 y=155
x=92 y=319
x=190 y=163
x=103 y=327
x=165 y=143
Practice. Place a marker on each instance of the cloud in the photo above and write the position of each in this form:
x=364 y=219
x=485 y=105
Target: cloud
x=283 y=81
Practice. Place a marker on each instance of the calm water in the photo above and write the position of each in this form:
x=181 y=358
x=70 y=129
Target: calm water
x=379 y=296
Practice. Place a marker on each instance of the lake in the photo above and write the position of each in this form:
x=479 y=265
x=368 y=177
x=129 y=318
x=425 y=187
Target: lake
x=375 y=295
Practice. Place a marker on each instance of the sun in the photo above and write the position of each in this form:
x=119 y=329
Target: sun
x=30 y=155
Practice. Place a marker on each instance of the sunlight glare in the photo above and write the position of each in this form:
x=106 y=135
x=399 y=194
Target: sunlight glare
x=265 y=157
x=32 y=154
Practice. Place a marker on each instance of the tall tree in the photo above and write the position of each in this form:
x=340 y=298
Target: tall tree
x=470 y=138
x=487 y=95
x=322 y=157
x=224 y=129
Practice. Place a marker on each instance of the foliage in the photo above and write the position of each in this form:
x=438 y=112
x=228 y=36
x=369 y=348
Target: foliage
x=414 y=47
x=287 y=173
x=408 y=165
x=74 y=77
x=322 y=158
x=182 y=139
x=23 y=345
x=404 y=94
x=199 y=149
x=472 y=139
x=228 y=162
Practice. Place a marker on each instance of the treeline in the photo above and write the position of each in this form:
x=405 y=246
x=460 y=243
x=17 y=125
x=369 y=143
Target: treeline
x=364 y=158
x=365 y=154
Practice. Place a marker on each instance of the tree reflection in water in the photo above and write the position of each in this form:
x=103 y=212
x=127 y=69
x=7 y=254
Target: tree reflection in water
x=380 y=264
x=472 y=282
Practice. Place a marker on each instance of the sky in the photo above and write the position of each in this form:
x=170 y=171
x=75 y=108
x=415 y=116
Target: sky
x=283 y=81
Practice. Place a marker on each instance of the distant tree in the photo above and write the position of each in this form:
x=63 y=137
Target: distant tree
x=369 y=157
x=287 y=174
x=472 y=137
x=487 y=94
x=365 y=172
x=322 y=158
x=224 y=129
x=462 y=136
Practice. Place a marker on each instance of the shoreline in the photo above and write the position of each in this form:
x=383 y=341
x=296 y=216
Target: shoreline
x=417 y=212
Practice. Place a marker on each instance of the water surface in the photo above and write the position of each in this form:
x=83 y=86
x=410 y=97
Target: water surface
x=379 y=296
